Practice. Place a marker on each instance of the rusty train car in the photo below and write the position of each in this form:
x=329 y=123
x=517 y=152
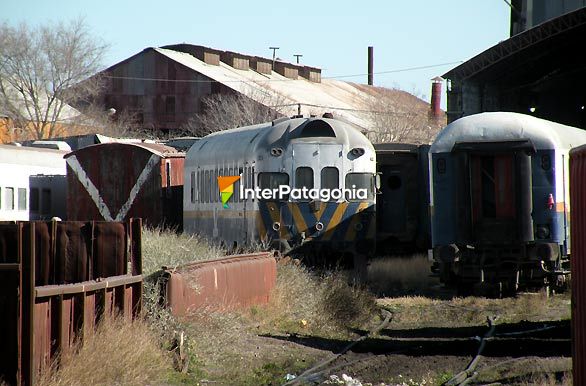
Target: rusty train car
x=500 y=201
x=118 y=181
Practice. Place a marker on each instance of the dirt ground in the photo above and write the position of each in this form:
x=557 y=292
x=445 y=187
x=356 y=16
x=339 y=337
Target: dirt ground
x=430 y=336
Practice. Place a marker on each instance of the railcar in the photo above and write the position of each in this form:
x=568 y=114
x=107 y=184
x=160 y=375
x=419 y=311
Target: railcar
x=500 y=201
x=315 y=154
x=32 y=183
x=402 y=205
x=117 y=181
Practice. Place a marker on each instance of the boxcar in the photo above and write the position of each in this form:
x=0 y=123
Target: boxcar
x=500 y=201
x=118 y=181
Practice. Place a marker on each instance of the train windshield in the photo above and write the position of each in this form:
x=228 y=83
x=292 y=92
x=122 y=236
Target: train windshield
x=272 y=180
x=360 y=181
x=330 y=178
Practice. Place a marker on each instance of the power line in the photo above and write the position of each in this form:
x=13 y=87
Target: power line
x=344 y=109
x=400 y=70
x=272 y=80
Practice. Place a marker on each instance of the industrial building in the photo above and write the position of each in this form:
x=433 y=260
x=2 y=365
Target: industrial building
x=537 y=71
x=164 y=87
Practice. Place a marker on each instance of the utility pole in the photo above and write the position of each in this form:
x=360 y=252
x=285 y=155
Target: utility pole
x=274 y=54
x=297 y=56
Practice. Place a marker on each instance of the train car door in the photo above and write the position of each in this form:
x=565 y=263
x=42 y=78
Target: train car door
x=493 y=196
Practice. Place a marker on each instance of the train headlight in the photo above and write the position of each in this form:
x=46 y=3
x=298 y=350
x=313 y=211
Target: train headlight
x=276 y=226
x=542 y=231
x=319 y=226
x=357 y=152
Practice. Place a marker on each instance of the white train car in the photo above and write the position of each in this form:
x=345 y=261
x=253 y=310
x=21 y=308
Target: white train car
x=315 y=154
x=32 y=183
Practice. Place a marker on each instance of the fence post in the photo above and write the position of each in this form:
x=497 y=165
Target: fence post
x=27 y=245
x=136 y=245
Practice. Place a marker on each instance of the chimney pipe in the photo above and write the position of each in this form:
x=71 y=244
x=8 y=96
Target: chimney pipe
x=370 y=65
x=436 y=96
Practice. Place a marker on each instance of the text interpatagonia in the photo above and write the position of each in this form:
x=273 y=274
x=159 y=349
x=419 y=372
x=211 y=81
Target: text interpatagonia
x=285 y=191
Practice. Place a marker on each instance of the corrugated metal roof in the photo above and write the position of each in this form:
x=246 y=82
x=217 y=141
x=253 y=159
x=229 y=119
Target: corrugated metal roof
x=349 y=101
x=155 y=148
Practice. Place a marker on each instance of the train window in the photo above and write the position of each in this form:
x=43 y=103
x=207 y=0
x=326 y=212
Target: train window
x=215 y=189
x=46 y=201
x=360 y=181
x=441 y=165
x=545 y=162
x=192 y=187
x=239 y=183
x=9 y=198
x=304 y=177
x=34 y=200
x=330 y=178
x=21 y=198
x=272 y=180
x=206 y=182
x=394 y=182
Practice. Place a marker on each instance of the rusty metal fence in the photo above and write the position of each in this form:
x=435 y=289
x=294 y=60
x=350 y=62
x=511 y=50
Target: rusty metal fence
x=57 y=280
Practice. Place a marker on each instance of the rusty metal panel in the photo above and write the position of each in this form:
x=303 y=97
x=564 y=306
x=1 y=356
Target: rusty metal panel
x=237 y=281
x=118 y=181
x=39 y=321
x=109 y=250
x=578 y=262
x=42 y=335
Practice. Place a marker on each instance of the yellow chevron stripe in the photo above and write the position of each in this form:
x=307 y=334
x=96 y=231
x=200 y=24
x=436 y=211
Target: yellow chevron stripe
x=297 y=217
x=275 y=215
x=336 y=217
x=322 y=209
x=351 y=231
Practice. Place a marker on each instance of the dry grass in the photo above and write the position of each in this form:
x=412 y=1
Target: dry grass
x=170 y=249
x=226 y=347
x=400 y=275
x=420 y=311
x=117 y=353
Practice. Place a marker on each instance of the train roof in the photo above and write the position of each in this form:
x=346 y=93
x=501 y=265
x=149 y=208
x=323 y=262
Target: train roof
x=32 y=156
x=161 y=150
x=507 y=126
x=396 y=147
x=242 y=143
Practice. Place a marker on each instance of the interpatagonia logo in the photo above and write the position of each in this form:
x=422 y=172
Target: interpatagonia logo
x=226 y=186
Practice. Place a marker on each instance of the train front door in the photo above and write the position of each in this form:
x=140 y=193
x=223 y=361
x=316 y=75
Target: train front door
x=493 y=197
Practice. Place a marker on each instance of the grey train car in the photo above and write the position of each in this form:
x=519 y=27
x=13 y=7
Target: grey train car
x=500 y=202
x=32 y=183
x=300 y=153
x=402 y=205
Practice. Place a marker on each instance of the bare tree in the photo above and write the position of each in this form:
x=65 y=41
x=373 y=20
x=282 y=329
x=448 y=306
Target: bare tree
x=227 y=111
x=395 y=117
x=38 y=69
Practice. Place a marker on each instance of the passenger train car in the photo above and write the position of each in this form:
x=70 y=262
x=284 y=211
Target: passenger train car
x=292 y=155
x=402 y=207
x=32 y=183
x=500 y=202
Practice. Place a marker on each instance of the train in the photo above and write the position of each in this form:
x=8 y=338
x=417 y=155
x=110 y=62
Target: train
x=402 y=205
x=499 y=200
x=305 y=186
x=33 y=183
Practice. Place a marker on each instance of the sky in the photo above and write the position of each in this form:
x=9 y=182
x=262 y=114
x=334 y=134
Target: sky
x=332 y=35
